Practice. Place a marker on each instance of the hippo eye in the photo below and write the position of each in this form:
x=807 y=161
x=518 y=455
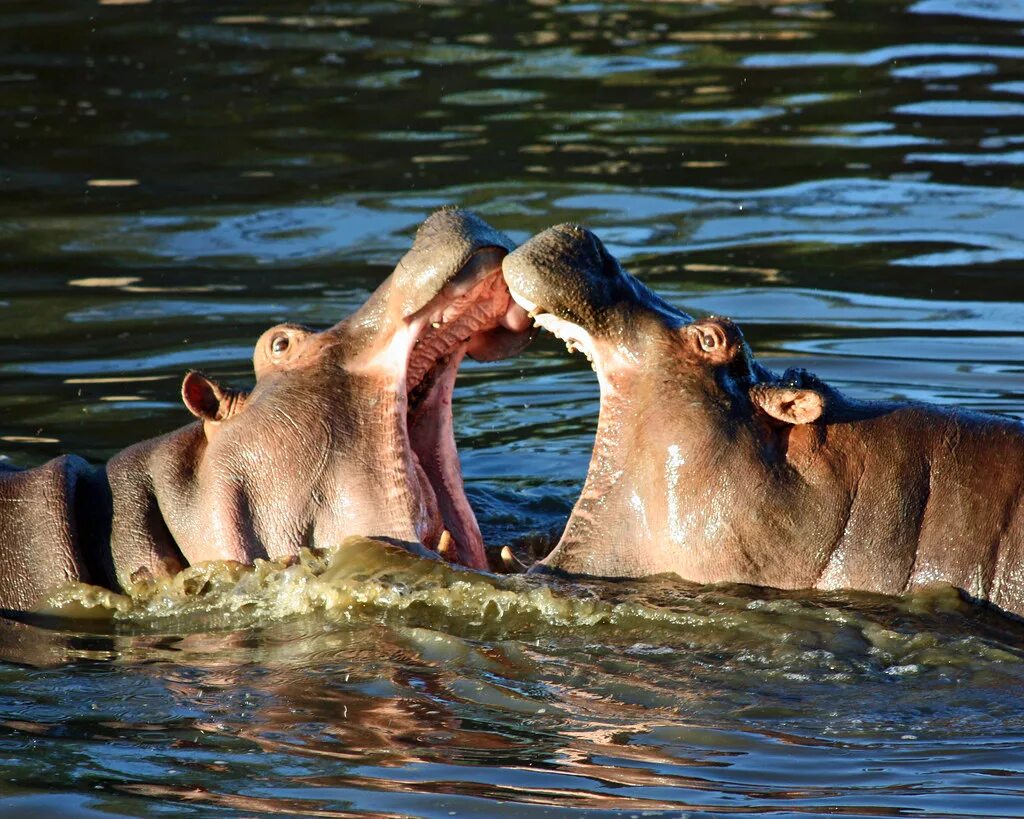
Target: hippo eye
x=708 y=342
x=279 y=344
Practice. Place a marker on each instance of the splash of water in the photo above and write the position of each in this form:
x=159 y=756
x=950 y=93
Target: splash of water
x=839 y=635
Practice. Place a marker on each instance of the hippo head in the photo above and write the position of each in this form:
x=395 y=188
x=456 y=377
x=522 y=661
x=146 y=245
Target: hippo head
x=675 y=393
x=349 y=430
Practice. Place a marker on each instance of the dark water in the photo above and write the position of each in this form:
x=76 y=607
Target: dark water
x=842 y=178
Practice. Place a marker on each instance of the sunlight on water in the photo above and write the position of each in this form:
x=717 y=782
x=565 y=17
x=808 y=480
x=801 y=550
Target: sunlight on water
x=372 y=672
x=840 y=178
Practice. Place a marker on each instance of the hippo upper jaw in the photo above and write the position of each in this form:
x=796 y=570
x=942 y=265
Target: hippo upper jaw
x=575 y=337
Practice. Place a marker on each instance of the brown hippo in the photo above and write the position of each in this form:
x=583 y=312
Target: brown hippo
x=54 y=525
x=707 y=465
x=347 y=431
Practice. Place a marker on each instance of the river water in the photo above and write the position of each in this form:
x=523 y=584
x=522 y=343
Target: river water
x=843 y=178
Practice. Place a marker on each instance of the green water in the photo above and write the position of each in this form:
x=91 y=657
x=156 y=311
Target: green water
x=844 y=179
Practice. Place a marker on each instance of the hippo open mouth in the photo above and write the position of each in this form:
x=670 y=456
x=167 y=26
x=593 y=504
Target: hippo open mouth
x=475 y=315
x=577 y=340
x=569 y=285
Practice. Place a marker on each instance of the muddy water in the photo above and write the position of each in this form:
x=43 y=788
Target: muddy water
x=843 y=178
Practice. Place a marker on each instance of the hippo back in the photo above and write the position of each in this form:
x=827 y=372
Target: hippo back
x=54 y=524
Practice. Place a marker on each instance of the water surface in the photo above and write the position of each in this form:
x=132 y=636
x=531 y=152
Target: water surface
x=842 y=178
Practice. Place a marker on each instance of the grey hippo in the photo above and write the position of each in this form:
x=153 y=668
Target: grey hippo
x=346 y=432
x=708 y=465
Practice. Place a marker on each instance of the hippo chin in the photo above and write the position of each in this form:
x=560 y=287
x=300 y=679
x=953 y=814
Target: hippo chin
x=708 y=465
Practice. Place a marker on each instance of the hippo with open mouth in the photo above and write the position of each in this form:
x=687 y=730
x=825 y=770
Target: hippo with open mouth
x=708 y=465
x=347 y=432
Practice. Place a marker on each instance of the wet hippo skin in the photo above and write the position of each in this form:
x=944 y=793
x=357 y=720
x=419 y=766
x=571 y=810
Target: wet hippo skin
x=54 y=526
x=347 y=431
x=708 y=465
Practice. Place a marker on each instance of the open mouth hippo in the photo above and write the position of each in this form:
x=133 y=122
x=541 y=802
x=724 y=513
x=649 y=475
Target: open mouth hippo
x=348 y=431
x=708 y=465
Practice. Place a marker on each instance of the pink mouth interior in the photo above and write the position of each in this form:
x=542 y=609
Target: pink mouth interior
x=449 y=325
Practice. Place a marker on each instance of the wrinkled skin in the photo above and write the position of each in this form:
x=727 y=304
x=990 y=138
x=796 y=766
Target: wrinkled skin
x=155 y=489
x=708 y=465
x=54 y=524
x=347 y=431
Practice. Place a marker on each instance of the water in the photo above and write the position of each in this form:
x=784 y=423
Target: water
x=841 y=178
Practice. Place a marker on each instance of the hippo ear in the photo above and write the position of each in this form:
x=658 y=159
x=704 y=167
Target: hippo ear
x=202 y=396
x=788 y=405
x=208 y=400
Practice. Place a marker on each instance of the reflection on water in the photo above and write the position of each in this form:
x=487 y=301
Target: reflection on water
x=841 y=178
x=370 y=679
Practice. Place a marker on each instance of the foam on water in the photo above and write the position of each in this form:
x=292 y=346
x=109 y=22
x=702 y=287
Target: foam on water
x=361 y=577
x=798 y=635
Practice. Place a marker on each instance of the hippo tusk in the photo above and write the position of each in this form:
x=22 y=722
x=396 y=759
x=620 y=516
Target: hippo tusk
x=512 y=563
x=444 y=545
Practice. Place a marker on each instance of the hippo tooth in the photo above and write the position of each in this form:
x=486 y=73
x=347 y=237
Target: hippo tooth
x=511 y=561
x=435 y=324
x=444 y=545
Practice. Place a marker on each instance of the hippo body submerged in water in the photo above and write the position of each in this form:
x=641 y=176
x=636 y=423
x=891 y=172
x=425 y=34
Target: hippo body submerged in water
x=705 y=463
x=708 y=465
x=347 y=431
x=54 y=529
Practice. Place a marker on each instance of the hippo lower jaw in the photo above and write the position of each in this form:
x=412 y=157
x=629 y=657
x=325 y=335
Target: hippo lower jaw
x=615 y=366
x=469 y=316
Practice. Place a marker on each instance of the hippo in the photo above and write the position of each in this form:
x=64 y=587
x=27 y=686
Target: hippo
x=54 y=528
x=347 y=431
x=708 y=465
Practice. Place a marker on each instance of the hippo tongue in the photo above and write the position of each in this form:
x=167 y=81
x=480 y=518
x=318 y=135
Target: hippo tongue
x=432 y=437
